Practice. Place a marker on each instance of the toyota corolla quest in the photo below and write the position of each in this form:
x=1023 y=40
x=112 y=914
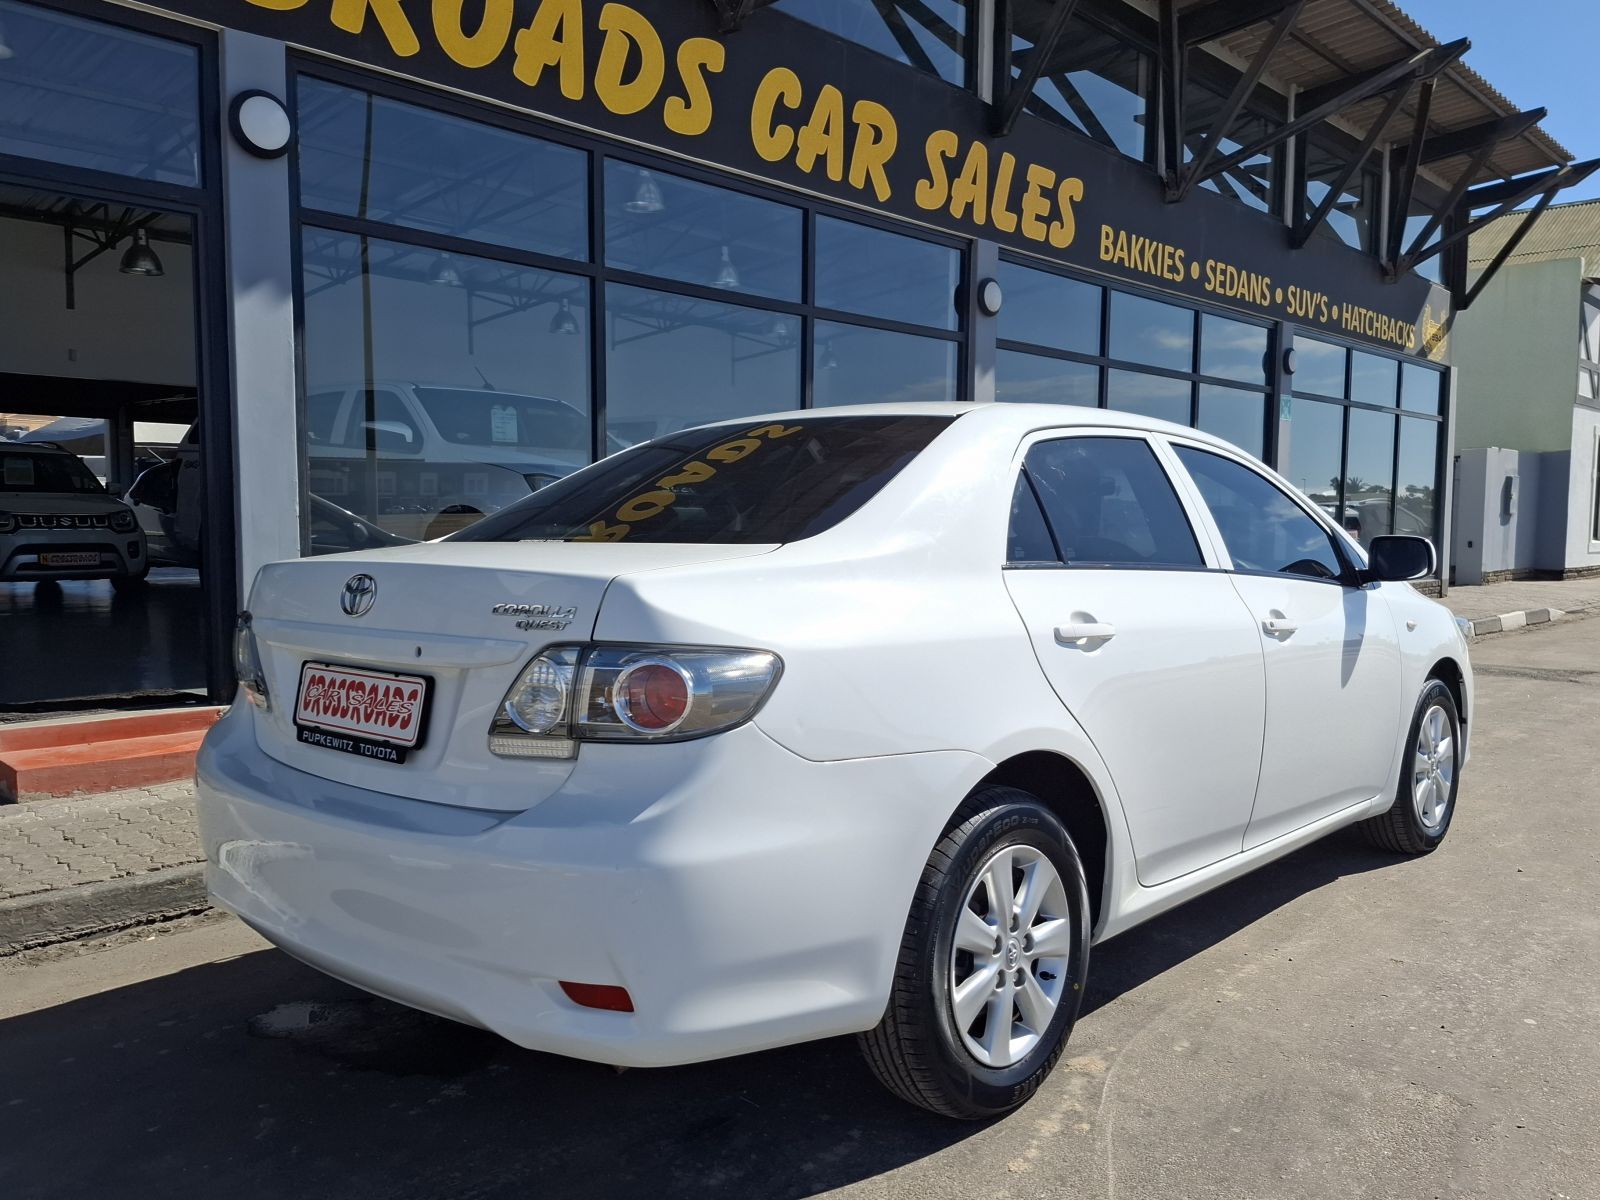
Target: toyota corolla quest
x=870 y=721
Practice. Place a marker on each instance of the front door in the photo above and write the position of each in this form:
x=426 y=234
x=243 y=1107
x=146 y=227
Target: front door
x=1149 y=649
x=1333 y=658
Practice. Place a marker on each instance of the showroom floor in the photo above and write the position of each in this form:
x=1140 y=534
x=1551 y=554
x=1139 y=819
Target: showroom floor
x=81 y=640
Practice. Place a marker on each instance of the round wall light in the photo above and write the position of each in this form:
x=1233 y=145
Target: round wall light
x=261 y=124
x=990 y=297
x=1289 y=361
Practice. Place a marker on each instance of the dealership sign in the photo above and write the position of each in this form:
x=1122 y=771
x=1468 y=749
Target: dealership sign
x=786 y=102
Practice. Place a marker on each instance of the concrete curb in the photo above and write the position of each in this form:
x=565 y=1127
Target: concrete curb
x=1478 y=627
x=45 y=918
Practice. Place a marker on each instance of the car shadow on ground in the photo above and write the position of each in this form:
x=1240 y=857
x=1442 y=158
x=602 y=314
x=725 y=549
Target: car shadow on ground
x=256 y=1076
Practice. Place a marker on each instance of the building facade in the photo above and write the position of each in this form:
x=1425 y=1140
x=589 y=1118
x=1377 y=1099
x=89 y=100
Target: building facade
x=396 y=263
x=1528 y=424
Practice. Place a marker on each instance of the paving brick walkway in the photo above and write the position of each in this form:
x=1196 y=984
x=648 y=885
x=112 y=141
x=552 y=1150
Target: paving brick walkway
x=58 y=844
x=1492 y=599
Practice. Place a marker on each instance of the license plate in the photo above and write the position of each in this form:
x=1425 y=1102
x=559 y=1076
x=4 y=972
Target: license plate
x=375 y=714
x=80 y=559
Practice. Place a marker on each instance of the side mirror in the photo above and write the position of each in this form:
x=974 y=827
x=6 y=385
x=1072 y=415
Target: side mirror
x=1396 y=557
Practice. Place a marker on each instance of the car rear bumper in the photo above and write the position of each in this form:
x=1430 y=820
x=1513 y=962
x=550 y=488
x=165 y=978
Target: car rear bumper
x=745 y=898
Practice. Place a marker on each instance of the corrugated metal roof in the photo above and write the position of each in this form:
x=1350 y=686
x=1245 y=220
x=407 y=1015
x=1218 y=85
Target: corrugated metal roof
x=1564 y=231
x=1336 y=38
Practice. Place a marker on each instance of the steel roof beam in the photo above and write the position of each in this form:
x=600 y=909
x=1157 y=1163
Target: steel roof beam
x=1466 y=141
x=1222 y=17
x=1551 y=181
x=1305 y=227
x=1004 y=114
x=1315 y=97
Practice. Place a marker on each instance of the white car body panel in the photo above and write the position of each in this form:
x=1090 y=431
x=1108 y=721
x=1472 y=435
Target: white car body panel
x=750 y=888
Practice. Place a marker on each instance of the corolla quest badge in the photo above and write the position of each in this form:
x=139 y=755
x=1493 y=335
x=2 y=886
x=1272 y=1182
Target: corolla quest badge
x=359 y=593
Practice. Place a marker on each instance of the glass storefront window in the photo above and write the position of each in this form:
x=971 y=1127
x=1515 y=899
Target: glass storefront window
x=429 y=406
x=1232 y=350
x=90 y=94
x=857 y=365
x=1048 y=310
x=1251 y=183
x=1369 y=475
x=1351 y=218
x=1236 y=415
x=1150 y=332
x=876 y=273
x=929 y=34
x=1374 y=380
x=1421 y=214
x=1035 y=378
x=1316 y=440
x=1319 y=367
x=659 y=224
x=1416 y=505
x=1148 y=395
x=1094 y=83
x=674 y=361
x=1419 y=389
x=371 y=157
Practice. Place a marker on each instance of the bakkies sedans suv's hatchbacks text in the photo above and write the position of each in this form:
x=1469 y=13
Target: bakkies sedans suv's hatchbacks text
x=867 y=721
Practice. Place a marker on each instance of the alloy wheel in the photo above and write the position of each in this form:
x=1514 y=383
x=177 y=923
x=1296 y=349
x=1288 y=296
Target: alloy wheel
x=1433 y=767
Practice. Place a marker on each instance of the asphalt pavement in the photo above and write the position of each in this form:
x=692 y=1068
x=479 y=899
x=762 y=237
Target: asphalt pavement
x=1341 y=1024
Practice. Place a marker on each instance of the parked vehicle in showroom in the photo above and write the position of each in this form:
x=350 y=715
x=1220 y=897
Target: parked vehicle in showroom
x=57 y=521
x=866 y=720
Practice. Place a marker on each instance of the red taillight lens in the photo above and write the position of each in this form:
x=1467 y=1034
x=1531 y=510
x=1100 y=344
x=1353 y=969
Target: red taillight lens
x=599 y=995
x=652 y=696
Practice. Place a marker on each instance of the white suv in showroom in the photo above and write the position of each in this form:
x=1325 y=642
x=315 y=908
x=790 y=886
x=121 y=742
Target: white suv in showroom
x=862 y=720
x=57 y=521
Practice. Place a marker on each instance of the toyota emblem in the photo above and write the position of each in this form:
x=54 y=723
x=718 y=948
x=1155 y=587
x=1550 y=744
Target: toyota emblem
x=359 y=593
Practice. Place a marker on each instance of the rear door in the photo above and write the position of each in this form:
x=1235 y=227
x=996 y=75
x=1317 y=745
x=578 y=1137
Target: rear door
x=1147 y=645
x=1332 y=653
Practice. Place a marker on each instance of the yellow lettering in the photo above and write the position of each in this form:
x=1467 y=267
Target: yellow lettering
x=972 y=185
x=932 y=192
x=1000 y=214
x=690 y=114
x=774 y=431
x=626 y=28
x=692 y=472
x=771 y=141
x=823 y=135
x=553 y=39
x=351 y=16
x=1063 y=230
x=279 y=5
x=483 y=45
x=1108 y=243
x=733 y=451
x=1034 y=204
x=642 y=508
x=601 y=532
x=876 y=139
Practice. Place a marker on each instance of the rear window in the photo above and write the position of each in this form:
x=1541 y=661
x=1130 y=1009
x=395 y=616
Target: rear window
x=24 y=472
x=779 y=481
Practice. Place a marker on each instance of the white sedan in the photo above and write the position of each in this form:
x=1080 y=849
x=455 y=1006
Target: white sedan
x=866 y=720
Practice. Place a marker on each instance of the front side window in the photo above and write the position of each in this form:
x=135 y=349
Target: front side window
x=742 y=484
x=1108 y=501
x=1263 y=529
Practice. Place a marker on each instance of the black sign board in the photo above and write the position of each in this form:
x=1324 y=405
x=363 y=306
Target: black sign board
x=783 y=101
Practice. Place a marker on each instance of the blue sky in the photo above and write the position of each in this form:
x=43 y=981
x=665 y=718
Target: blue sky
x=1536 y=52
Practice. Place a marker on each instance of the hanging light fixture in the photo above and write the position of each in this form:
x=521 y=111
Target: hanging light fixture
x=782 y=331
x=442 y=271
x=829 y=360
x=647 y=196
x=727 y=273
x=139 y=259
x=5 y=46
x=563 y=321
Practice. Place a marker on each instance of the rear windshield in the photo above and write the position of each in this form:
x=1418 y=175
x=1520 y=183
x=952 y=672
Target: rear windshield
x=42 y=472
x=752 y=484
x=478 y=418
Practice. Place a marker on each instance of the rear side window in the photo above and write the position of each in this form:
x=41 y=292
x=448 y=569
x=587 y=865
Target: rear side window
x=751 y=484
x=1263 y=529
x=1108 y=501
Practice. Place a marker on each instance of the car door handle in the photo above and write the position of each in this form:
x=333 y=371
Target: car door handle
x=1278 y=624
x=1081 y=633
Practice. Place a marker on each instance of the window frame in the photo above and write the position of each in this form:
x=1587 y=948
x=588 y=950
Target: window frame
x=1209 y=560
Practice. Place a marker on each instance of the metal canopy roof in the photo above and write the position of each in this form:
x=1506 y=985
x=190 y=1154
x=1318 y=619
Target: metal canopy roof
x=1335 y=39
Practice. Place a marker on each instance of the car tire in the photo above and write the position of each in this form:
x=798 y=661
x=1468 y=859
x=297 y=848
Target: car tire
x=130 y=583
x=922 y=1050
x=1430 y=774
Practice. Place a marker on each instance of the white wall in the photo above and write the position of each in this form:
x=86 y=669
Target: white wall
x=125 y=327
x=1581 y=548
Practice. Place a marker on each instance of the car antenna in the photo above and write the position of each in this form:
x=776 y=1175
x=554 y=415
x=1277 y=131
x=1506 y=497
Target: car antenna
x=487 y=386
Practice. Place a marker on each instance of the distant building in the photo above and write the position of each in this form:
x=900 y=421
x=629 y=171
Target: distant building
x=1527 y=498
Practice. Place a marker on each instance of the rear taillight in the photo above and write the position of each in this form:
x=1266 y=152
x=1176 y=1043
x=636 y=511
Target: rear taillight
x=572 y=694
x=247 y=664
